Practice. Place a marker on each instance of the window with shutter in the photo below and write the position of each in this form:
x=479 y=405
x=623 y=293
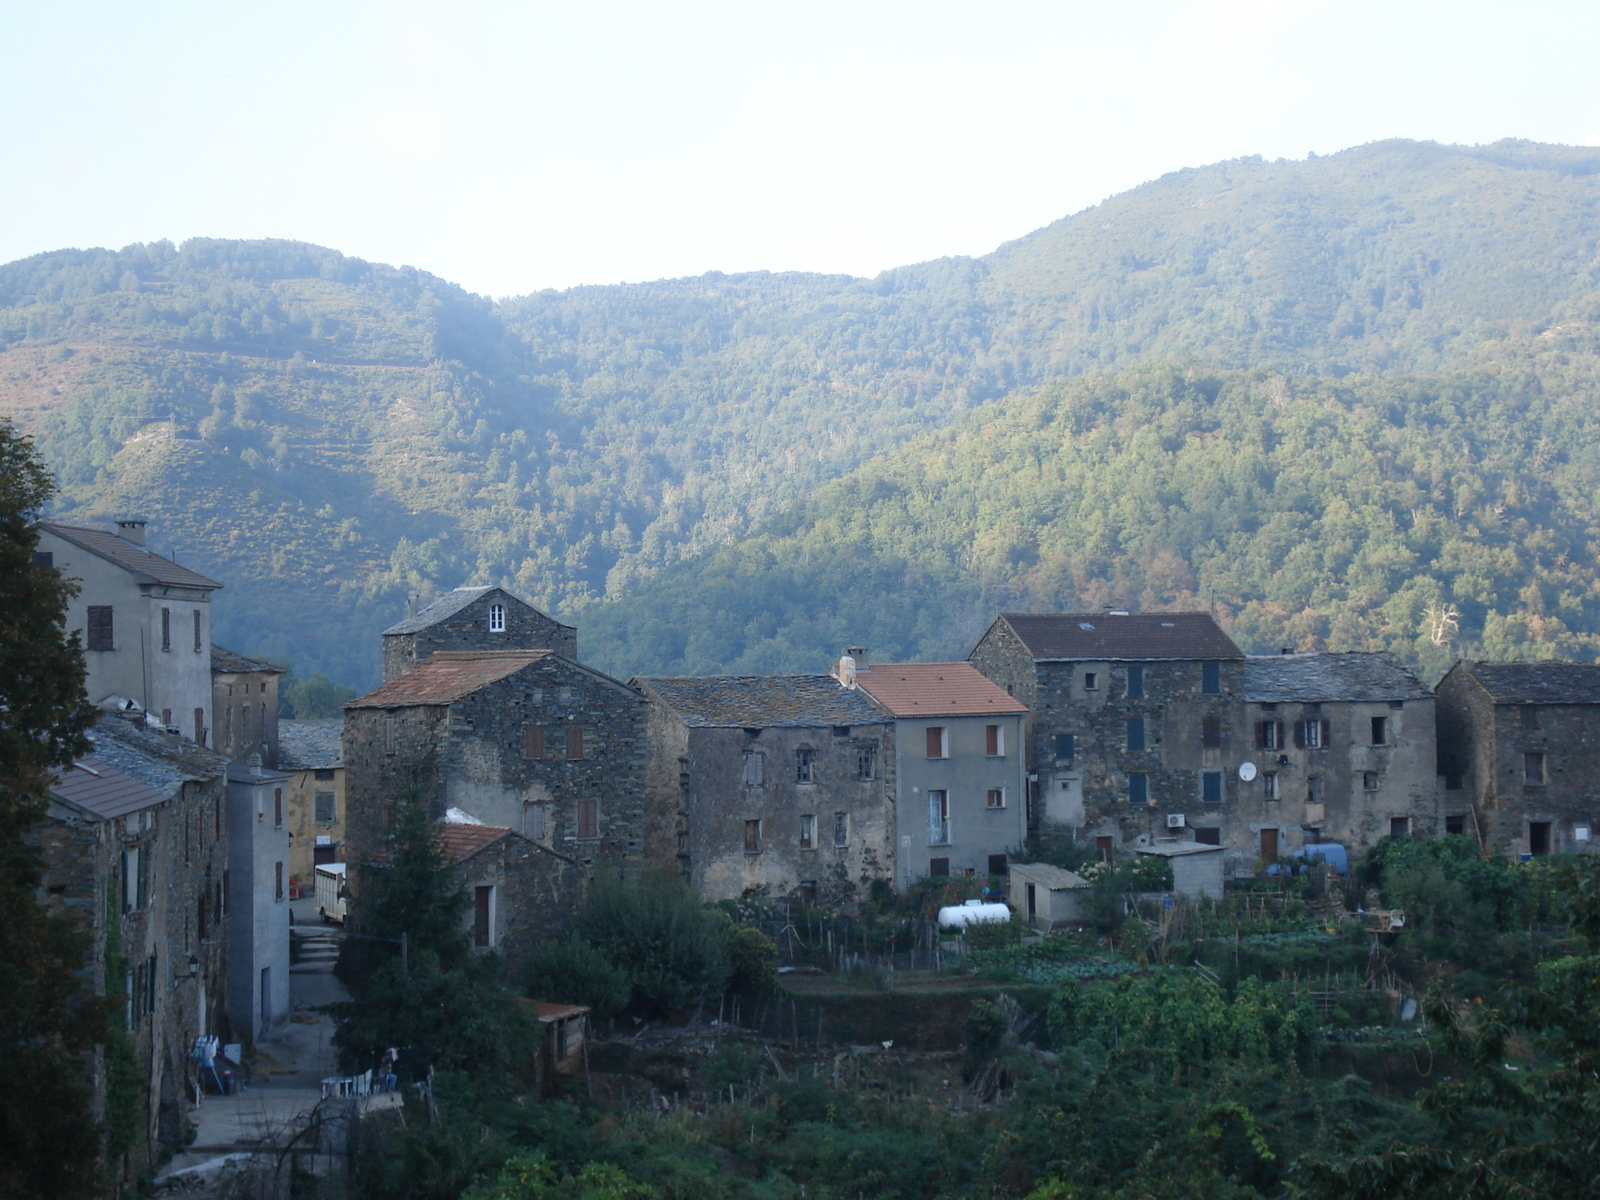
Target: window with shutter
x=198 y=644
x=1211 y=731
x=533 y=741
x=574 y=742
x=1138 y=789
x=993 y=743
x=938 y=818
x=939 y=868
x=866 y=761
x=804 y=759
x=1211 y=787
x=1211 y=678
x=1063 y=746
x=1135 y=733
x=100 y=627
x=588 y=818
x=755 y=768
x=752 y=836
x=200 y=727
x=936 y=741
x=1135 y=681
x=166 y=629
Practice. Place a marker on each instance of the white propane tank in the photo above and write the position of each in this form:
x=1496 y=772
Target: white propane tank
x=973 y=912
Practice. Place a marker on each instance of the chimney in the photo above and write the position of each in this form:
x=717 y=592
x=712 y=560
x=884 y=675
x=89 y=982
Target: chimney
x=132 y=529
x=1285 y=650
x=859 y=653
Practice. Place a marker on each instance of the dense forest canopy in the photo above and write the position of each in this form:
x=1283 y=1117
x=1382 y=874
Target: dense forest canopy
x=326 y=435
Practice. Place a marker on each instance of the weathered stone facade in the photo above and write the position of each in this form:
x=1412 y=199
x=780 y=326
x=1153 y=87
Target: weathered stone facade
x=141 y=848
x=480 y=618
x=777 y=786
x=523 y=893
x=1517 y=748
x=526 y=740
x=244 y=707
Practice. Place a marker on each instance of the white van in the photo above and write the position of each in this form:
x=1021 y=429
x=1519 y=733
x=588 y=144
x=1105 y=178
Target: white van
x=331 y=891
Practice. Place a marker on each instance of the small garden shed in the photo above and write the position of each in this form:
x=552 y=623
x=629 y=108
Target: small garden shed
x=1045 y=895
x=1196 y=867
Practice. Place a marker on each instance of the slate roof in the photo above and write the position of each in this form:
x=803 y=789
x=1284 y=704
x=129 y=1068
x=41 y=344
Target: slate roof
x=1538 y=683
x=231 y=662
x=459 y=842
x=935 y=690
x=444 y=606
x=1106 y=637
x=760 y=701
x=310 y=745
x=1312 y=678
x=448 y=675
x=95 y=785
x=1053 y=877
x=158 y=760
x=142 y=564
x=1179 y=849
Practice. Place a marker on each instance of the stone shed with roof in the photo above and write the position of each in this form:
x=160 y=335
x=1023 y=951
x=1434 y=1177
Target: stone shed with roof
x=523 y=893
x=1518 y=743
x=526 y=740
x=770 y=785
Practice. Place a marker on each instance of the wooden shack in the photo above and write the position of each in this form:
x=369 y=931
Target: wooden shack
x=566 y=1029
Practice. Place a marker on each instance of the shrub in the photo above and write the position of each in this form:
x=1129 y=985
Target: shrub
x=652 y=926
x=574 y=972
x=752 y=961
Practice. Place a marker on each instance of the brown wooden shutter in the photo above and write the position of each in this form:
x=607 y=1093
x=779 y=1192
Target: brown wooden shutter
x=991 y=740
x=935 y=741
x=574 y=741
x=1300 y=735
x=533 y=741
x=1327 y=735
x=588 y=818
x=1211 y=730
x=99 y=627
x=480 y=915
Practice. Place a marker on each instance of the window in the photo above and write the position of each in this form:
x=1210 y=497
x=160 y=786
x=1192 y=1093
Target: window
x=866 y=760
x=994 y=741
x=808 y=833
x=1533 y=768
x=1399 y=827
x=1135 y=682
x=1313 y=790
x=323 y=773
x=755 y=768
x=1380 y=731
x=1211 y=731
x=166 y=716
x=1211 y=787
x=533 y=821
x=244 y=724
x=44 y=559
x=938 y=818
x=497 y=618
x=997 y=864
x=388 y=816
x=938 y=742
x=216 y=816
x=939 y=867
x=588 y=817
x=1208 y=835
x=1269 y=735
x=200 y=726
x=389 y=727
x=1135 y=733
x=277 y=808
x=574 y=742
x=198 y=644
x=1138 y=789
x=804 y=760
x=1211 y=678
x=325 y=808
x=1455 y=825
x=200 y=919
x=100 y=627
x=995 y=798
x=1369 y=781
x=133 y=879
x=277 y=881
x=752 y=837
x=1102 y=847
x=166 y=629
x=841 y=829
x=227 y=726
x=483 y=913
x=841 y=731
x=1063 y=746
x=1269 y=785
x=1530 y=716
x=533 y=741
x=1312 y=734
x=1538 y=838
x=1090 y=681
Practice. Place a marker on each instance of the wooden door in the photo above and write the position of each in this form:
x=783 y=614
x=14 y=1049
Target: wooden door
x=1269 y=845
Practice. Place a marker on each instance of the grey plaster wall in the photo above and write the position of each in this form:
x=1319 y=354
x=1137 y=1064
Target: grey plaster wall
x=258 y=915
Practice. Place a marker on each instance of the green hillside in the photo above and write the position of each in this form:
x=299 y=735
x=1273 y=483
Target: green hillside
x=326 y=435
x=1424 y=515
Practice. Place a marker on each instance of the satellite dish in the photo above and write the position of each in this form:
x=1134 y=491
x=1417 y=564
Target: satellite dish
x=1247 y=771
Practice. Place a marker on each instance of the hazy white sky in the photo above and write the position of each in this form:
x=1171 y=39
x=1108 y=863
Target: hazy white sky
x=517 y=146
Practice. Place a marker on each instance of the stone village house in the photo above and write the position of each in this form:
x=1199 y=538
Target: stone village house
x=960 y=773
x=244 y=707
x=522 y=892
x=770 y=785
x=1517 y=749
x=473 y=618
x=309 y=753
x=135 y=843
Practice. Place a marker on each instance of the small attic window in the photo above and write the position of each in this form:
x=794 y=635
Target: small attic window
x=1085 y=625
x=1167 y=625
x=497 y=618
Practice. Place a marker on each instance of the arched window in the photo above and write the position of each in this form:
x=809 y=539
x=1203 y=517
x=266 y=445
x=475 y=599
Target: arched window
x=497 y=618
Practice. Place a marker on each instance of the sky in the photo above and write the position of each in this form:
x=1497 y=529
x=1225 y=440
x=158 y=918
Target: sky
x=510 y=147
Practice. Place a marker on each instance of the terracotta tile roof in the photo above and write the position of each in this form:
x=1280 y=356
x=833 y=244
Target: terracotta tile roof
x=97 y=786
x=760 y=701
x=1311 y=678
x=1108 y=637
x=448 y=675
x=143 y=565
x=935 y=690
x=231 y=662
x=458 y=841
x=1538 y=683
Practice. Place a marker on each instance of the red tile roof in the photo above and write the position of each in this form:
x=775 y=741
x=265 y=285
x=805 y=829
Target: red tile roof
x=448 y=675
x=935 y=690
x=458 y=841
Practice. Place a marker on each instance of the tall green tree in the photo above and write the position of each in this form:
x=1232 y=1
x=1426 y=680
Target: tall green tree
x=49 y=1023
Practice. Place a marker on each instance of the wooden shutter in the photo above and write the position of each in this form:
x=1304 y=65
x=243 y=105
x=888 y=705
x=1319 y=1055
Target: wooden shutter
x=935 y=741
x=100 y=627
x=480 y=915
x=574 y=741
x=1327 y=735
x=991 y=740
x=1211 y=730
x=1300 y=735
x=588 y=819
x=533 y=741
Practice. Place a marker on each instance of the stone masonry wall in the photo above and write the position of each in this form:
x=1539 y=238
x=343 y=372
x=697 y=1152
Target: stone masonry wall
x=666 y=784
x=526 y=629
x=1568 y=736
x=537 y=894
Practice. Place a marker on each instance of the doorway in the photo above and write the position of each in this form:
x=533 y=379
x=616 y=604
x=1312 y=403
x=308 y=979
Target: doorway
x=1269 y=845
x=1033 y=903
x=1538 y=838
x=1102 y=845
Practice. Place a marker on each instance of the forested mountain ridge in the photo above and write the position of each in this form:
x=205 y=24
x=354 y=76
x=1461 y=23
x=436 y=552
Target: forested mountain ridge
x=327 y=434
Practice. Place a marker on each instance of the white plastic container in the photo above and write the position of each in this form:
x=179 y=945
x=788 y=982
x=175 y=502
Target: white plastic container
x=973 y=912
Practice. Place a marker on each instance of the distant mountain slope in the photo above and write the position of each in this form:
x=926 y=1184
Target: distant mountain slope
x=1423 y=515
x=327 y=434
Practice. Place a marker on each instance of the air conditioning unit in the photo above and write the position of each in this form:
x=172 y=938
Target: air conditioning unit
x=1174 y=820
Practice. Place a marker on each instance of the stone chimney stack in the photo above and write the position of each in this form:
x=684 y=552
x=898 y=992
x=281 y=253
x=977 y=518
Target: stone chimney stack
x=132 y=529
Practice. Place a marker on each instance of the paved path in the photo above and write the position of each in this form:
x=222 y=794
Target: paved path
x=289 y=1066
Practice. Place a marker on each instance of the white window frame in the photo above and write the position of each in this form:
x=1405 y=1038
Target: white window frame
x=497 y=618
x=808 y=831
x=938 y=817
x=990 y=794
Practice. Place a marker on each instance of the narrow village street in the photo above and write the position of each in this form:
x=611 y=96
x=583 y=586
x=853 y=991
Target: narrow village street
x=283 y=1084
